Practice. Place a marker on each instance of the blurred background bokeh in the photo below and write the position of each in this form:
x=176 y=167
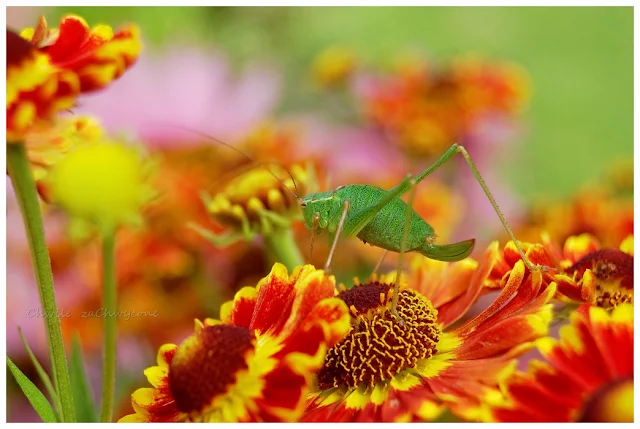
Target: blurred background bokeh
x=542 y=98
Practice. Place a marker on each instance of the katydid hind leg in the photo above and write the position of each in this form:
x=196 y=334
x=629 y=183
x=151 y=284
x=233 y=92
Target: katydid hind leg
x=456 y=250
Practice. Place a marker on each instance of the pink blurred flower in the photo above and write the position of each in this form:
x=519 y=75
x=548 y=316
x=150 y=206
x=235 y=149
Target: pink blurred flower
x=188 y=87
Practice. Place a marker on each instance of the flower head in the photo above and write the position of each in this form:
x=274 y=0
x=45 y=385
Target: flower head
x=96 y=55
x=103 y=183
x=48 y=68
x=254 y=364
x=587 y=374
x=583 y=271
x=36 y=89
x=246 y=202
x=410 y=366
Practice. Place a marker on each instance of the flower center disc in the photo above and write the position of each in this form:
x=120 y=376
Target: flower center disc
x=614 y=273
x=206 y=364
x=380 y=344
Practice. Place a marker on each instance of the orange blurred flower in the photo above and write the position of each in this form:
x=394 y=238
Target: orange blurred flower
x=427 y=109
x=587 y=375
x=386 y=370
x=254 y=364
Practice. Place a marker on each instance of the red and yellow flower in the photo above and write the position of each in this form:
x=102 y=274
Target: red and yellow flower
x=581 y=270
x=412 y=365
x=587 y=375
x=255 y=364
x=48 y=68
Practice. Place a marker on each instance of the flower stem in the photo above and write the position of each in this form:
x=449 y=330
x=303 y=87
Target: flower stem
x=283 y=247
x=109 y=302
x=27 y=195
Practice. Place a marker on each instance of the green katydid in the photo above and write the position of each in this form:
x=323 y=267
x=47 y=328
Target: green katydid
x=381 y=218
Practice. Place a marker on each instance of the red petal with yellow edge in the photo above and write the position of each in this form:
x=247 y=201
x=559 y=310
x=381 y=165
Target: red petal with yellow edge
x=558 y=386
x=531 y=396
x=586 y=366
x=311 y=288
x=240 y=311
x=614 y=335
x=502 y=337
x=513 y=283
x=73 y=40
x=441 y=282
x=327 y=324
x=274 y=300
x=454 y=310
x=577 y=247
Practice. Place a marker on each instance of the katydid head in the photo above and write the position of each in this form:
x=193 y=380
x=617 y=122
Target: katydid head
x=315 y=209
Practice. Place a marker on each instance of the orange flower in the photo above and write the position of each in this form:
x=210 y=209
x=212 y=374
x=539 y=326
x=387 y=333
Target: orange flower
x=583 y=271
x=411 y=370
x=427 y=108
x=587 y=376
x=255 y=364
x=47 y=69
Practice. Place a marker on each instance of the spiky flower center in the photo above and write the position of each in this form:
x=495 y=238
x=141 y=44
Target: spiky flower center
x=206 y=365
x=613 y=269
x=380 y=344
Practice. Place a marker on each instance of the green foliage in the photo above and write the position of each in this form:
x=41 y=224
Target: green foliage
x=44 y=377
x=36 y=398
x=82 y=396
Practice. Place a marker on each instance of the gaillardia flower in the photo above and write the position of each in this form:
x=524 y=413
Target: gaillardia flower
x=412 y=365
x=256 y=363
x=48 y=68
x=36 y=89
x=587 y=376
x=96 y=55
x=583 y=271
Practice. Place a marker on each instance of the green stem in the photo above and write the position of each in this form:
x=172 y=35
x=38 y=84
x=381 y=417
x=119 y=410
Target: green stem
x=27 y=195
x=110 y=304
x=283 y=247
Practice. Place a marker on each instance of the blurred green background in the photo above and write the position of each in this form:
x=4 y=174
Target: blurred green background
x=580 y=60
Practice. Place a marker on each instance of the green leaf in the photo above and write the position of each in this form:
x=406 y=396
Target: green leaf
x=82 y=395
x=44 y=377
x=37 y=399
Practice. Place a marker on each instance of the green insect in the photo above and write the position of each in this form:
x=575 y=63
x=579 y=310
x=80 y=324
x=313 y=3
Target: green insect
x=379 y=217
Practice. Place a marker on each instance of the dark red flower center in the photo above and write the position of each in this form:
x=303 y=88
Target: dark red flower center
x=206 y=365
x=613 y=269
x=380 y=344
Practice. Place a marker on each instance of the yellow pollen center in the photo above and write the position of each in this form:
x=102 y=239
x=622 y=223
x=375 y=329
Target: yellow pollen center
x=380 y=344
x=206 y=364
